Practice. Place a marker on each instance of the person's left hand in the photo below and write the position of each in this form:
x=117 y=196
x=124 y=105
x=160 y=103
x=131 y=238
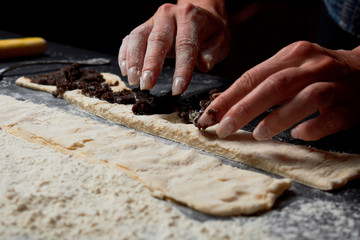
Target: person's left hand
x=303 y=78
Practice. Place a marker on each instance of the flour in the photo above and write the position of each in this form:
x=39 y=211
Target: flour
x=46 y=195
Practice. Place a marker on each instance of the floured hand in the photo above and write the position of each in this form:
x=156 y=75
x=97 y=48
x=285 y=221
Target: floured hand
x=194 y=34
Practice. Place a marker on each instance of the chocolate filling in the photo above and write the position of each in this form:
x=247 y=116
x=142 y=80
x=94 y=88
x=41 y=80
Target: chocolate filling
x=92 y=84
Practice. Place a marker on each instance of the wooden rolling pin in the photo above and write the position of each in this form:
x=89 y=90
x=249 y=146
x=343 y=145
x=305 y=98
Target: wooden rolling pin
x=18 y=47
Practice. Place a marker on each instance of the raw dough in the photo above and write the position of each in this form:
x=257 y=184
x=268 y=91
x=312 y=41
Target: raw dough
x=315 y=168
x=110 y=78
x=184 y=175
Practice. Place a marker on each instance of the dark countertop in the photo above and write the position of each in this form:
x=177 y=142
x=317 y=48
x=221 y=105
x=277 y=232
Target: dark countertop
x=301 y=213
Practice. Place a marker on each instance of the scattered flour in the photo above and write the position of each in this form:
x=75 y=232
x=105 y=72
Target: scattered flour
x=47 y=195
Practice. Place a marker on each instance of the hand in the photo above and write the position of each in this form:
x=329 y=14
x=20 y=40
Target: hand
x=195 y=36
x=303 y=78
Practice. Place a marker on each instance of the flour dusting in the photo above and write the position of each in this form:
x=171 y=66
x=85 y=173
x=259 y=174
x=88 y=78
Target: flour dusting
x=46 y=195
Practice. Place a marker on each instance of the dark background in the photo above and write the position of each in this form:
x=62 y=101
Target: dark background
x=259 y=28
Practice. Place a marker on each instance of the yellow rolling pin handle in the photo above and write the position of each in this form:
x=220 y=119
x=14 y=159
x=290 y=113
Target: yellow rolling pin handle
x=18 y=47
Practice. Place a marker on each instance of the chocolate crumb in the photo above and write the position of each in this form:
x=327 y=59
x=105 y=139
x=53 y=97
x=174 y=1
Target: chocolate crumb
x=147 y=103
x=213 y=113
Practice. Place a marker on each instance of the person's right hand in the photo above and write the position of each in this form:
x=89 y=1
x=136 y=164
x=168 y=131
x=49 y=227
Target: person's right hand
x=300 y=80
x=193 y=34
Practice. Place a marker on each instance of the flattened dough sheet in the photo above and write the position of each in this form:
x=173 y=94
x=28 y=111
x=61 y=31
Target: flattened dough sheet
x=319 y=169
x=169 y=171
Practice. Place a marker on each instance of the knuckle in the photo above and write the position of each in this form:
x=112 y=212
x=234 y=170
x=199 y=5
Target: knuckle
x=161 y=38
x=165 y=8
x=314 y=94
x=328 y=61
x=296 y=49
x=302 y=47
x=188 y=47
x=140 y=30
x=135 y=31
x=186 y=8
x=192 y=13
x=153 y=60
x=276 y=83
x=186 y=43
x=158 y=38
x=321 y=96
x=243 y=110
x=329 y=64
x=248 y=82
x=222 y=102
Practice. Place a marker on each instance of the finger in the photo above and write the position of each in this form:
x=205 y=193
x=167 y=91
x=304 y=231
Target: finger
x=242 y=86
x=186 y=46
x=212 y=51
x=310 y=100
x=186 y=49
x=136 y=48
x=215 y=47
x=331 y=120
x=275 y=89
x=290 y=56
x=122 y=56
x=159 y=44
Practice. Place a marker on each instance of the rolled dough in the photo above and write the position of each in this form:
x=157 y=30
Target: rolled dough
x=319 y=169
x=169 y=171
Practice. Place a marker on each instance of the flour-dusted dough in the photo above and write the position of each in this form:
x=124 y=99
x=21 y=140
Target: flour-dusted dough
x=315 y=168
x=184 y=175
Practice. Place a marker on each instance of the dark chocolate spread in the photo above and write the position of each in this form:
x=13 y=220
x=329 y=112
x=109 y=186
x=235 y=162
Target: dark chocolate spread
x=92 y=84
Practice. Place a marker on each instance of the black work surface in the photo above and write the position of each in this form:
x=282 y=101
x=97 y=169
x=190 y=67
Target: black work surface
x=301 y=213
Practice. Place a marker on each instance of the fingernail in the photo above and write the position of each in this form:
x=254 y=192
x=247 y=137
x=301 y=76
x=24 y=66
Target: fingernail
x=178 y=86
x=123 y=68
x=133 y=76
x=262 y=132
x=146 y=80
x=209 y=61
x=226 y=127
x=294 y=133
